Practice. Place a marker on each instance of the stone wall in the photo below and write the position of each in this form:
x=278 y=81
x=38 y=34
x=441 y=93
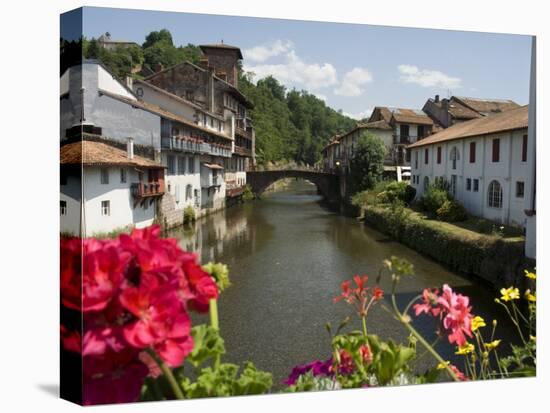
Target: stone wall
x=169 y=216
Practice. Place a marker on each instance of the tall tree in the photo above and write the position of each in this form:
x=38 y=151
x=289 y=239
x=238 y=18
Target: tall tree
x=367 y=164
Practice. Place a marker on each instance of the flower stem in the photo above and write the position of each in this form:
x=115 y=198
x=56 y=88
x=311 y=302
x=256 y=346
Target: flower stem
x=421 y=339
x=364 y=321
x=168 y=374
x=215 y=323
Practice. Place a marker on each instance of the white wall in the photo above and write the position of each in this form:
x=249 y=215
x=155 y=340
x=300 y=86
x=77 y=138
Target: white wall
x=176 y=184
x=508 y=171
x=123 y=212
x=70 y=193
x=105 y=81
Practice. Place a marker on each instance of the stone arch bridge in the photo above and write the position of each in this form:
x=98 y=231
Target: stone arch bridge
x=327 y=184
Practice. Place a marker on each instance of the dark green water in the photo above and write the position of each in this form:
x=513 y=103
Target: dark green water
x=287 y=256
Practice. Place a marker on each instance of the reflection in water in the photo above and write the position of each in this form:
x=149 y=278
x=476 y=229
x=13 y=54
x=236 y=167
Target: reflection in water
x=287 y=256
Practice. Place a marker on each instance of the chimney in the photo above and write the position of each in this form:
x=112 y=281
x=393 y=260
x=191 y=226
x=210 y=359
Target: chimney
x=130 y=148
x=129 y=82
x=445 y=104
x=436 y=98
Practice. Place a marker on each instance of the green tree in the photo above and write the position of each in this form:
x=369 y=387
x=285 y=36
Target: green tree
x=158 y=36
x=367 y=164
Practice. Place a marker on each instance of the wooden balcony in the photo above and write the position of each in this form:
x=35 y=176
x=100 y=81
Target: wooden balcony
x=143 y=190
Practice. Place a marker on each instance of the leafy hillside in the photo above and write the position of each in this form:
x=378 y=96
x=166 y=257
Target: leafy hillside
x=290 y=125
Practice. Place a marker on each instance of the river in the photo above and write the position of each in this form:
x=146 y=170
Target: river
x=287 y=256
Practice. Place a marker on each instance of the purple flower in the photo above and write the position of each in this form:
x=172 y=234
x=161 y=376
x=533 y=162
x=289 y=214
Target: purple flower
x=317 y=368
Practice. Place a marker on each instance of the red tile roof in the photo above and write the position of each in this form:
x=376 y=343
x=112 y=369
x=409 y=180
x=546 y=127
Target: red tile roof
x=92 y=153
x=506 y=121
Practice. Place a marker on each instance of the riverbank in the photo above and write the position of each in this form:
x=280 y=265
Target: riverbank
x=497 y=260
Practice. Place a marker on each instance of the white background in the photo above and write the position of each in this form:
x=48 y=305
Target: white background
x=29 y=203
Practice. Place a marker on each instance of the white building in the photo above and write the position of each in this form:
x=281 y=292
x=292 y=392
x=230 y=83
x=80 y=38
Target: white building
x=104 y=188
x=485 y=161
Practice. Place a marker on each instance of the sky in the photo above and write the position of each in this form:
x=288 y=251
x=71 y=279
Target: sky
x=352 y=67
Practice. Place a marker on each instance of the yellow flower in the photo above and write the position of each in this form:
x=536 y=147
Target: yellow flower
x=509 y=294
x=464 y=349
x=442 y=366
x=492 y=345
x=533 y=338
x=477 y=322
x=530 y=275
x=530 y=297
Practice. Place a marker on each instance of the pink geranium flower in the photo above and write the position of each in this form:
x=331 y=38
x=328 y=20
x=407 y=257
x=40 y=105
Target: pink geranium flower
x=453 y=311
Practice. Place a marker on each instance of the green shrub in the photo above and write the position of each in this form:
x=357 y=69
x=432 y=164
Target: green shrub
x=248 y=195
x=451 y=211
x=189 y=215
x=433 y=199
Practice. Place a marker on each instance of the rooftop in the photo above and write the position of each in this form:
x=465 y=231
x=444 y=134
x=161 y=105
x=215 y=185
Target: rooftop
x=506 y=121
x=487 y=106
x=91 y=153
x=222 y=45
x=415 y=116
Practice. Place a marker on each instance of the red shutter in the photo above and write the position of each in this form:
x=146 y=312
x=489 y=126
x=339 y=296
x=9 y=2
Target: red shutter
x=524 y=149
x=426 y=156
x=439 y=154
x=496 y=150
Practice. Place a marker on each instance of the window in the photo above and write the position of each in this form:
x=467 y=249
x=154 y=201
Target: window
x=171 y=164
x=62 y=178
x=415 y=159
x=188 y=192
x=404 y=133
x=407 y=155
x=426 y=182
x=105 y=176
x=495 y=195
x=146 y=205
x=106 y=208
x=181 y=165
x=177 y=193
x=455 y=156
x=63 y=207
x=175 y=131
x=468 y=184
x=439 y=154
x=191 y=165
x=453 y=185
x=472 y=152
x=420 y=131
x=122 y=175
x=476 y=185
x=426 y=156
x=520 y=189
x=496 y=150
x=524 y=149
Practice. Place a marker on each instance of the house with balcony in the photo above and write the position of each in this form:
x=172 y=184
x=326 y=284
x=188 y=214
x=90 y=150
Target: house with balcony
x=407 y=126
x=211 y=87
x=105 y=188
x=487 y=163
x=117 y=141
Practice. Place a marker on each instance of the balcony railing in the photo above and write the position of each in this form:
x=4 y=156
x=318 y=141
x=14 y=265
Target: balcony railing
x=197 y=147
x=243 y=132
x=146 y=189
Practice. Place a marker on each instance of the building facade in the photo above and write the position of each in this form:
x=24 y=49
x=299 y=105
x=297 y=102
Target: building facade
x=111 y=177
x=485 y=162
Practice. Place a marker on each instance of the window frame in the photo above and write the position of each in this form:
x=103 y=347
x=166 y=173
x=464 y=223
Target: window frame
x=495 y=195
x=106 y=208
x=104 y=176
x=63 y=207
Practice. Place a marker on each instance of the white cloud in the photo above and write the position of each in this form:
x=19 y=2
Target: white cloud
x=428 y=78
x=295 y=71
x=265 y=52
x=359 y=115
x=352 y=82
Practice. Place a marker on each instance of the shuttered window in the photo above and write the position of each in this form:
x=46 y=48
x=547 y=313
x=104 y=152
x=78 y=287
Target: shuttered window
x=472 y=152
x=524 y=149
x=496 y=150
